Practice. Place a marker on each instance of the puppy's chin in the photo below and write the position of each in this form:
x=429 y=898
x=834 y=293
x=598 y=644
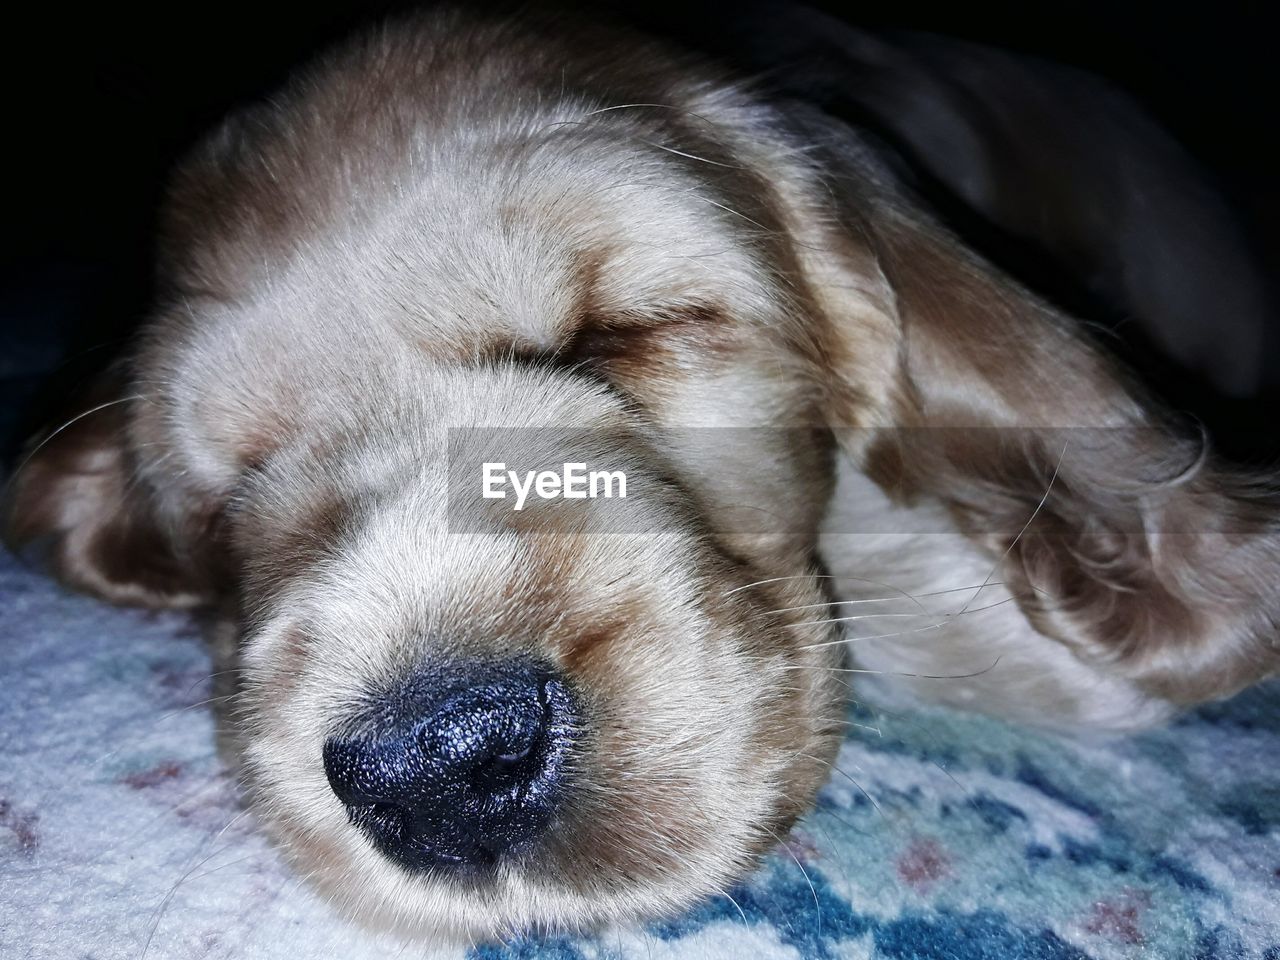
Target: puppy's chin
x=663 y=724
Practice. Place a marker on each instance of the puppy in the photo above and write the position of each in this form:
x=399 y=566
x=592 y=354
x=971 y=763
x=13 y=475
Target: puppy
x=463 y=242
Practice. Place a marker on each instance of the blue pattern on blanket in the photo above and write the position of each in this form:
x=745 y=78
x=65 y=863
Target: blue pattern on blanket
x=940 y=835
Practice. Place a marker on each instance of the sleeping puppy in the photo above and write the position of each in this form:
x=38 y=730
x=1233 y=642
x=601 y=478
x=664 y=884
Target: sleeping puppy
x=464 y=248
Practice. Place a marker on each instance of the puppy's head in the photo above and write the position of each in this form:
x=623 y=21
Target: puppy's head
x=459 y=716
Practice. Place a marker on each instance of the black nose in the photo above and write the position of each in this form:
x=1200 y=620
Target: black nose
x=457 y=765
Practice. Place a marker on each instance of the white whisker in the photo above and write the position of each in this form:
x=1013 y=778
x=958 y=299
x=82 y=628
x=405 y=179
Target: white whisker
x=1030 y=520
x=948 y=618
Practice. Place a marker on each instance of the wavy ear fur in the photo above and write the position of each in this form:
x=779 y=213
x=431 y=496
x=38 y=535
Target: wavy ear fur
x=1121 y=535
x=76 y=500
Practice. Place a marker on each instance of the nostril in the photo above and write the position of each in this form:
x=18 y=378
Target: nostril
x=386 y=820
x=493 y=723
x=516 y=756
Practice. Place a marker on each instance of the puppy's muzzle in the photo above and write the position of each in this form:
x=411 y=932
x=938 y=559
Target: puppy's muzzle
x=459 y=765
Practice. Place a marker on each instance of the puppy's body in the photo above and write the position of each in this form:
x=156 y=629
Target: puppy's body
x=459 y=223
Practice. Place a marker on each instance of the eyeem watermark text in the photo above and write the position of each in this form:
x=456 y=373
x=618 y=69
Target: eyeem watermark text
x=573 y=482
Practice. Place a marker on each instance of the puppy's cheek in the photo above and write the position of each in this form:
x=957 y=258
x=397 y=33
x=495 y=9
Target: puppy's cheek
x=282 y=727
x=670 y=796
x=275 y=665
x=281 y=746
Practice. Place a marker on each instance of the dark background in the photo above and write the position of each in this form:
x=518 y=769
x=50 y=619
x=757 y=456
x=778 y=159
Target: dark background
x=104 y=101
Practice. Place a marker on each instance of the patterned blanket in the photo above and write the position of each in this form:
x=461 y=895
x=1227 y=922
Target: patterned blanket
x=940 y=836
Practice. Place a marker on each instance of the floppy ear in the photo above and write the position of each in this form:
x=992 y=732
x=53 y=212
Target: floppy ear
x=76 y=499
x=1118 y=531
